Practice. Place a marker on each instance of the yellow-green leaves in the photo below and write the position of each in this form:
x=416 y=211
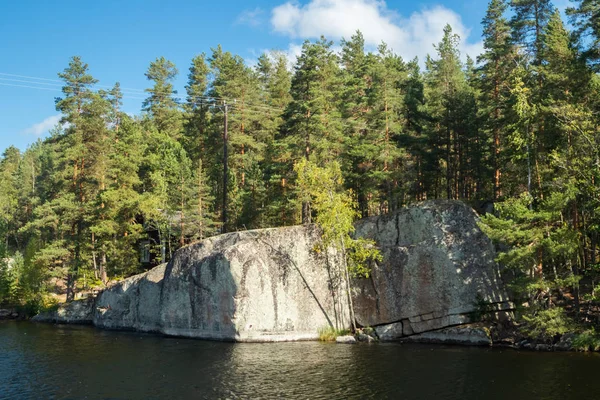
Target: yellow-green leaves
x=335 y=213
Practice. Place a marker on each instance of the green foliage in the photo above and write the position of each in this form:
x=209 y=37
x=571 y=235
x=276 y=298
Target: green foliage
x=336 y=212
x=329 y=334
x=374 y=133
x=588 y=340
x=482 y=310
x=547 y=324
x=9 y=281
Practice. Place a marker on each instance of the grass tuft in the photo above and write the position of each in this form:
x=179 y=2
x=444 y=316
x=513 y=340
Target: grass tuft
x=329 y=334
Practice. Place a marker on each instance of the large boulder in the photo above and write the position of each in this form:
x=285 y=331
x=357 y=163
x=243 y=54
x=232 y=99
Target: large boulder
x=438 y=267
x=259 y=286
x=132 y=304
x=275 y=285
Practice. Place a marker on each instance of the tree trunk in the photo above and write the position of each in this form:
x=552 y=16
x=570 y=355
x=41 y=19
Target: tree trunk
x=348 y=289
x=103 y=275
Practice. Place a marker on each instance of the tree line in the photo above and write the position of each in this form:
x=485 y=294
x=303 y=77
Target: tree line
x=517 y=127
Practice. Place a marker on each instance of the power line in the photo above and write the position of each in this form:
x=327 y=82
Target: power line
x=210 y=101
x=30 y=77
x=250 y=108
x=30 y=87
x=58 y=80
x=57 y=85
x=125 y=90
x=56 y=89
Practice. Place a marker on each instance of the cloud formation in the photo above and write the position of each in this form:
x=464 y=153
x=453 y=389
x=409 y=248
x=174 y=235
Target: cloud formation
x=253 y=18
x=408 y=37
x=42 y=127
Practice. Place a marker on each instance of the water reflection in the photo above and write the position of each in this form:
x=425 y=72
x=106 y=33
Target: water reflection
x=43 y=361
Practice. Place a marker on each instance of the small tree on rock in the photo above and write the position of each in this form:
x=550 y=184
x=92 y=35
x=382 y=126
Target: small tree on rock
x=336 y=212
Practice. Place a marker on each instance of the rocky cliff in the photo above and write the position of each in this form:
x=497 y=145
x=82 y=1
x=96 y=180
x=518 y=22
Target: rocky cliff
x=271 y=285
x=437 y=267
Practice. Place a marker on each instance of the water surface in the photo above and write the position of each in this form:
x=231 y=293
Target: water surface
x=39 y=361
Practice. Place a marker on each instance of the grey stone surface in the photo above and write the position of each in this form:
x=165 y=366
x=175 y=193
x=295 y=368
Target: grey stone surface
x=76 y=312
x=390 y=332
x=257 y=286
x=436 y=264
x=466 y=335
x=565 y=343
x=346 y=340
x=266 y=285
x=132 y=304
x=361 y=337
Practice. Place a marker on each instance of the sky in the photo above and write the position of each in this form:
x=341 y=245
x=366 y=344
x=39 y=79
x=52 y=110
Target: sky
x=119 y=39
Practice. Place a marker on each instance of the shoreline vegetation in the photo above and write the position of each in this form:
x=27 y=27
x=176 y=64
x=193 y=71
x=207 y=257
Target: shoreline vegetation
x=514 y=133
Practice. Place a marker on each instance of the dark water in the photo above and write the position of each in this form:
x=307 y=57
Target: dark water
x=67 y=362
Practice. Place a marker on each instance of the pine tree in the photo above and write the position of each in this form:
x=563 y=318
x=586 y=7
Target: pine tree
x=496 y=64
x=528 y=23
x=197 y=110
x=160 y=104
x=238 y=85
x=354 y=110
x=445 y=80
x=586 y=19
x=383 y=166
x=78 y=147
x=275 y=79
x=9 y=167
x=312 y=129
x=414 y=137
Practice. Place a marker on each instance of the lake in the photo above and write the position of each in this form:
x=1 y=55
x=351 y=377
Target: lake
x=39 y=361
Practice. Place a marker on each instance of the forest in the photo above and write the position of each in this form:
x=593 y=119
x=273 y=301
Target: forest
x=516 y=128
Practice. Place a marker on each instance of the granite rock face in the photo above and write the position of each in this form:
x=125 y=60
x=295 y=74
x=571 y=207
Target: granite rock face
x=272 y=285
x=133 y=303
x=437 y=265
x=266 y=285
x=257 y=286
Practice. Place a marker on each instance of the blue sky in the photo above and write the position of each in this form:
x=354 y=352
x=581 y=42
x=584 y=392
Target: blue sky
x=118 y=39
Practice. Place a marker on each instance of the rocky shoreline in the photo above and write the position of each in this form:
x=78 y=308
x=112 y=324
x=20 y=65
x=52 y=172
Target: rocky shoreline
x=477 y=334
x=10 y=313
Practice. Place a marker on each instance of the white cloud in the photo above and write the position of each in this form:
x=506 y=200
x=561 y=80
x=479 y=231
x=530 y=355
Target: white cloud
x=253 y=18
x=42 y=127
x=292 y=53
x=409 y=37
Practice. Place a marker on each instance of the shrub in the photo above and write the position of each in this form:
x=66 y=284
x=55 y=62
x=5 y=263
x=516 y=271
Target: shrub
x=546 y=324
x=587 y=340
